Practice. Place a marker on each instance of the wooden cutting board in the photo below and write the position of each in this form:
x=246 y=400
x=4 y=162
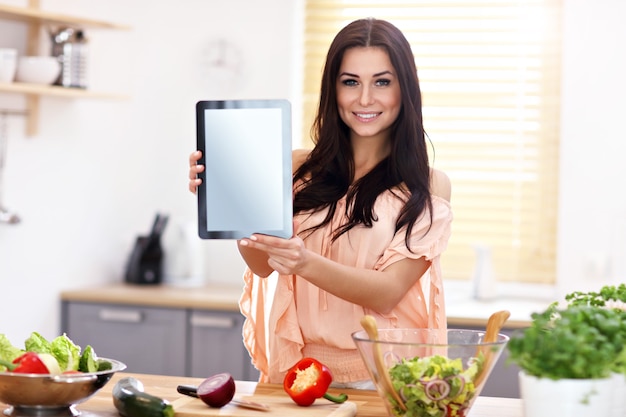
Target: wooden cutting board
x=279 y=407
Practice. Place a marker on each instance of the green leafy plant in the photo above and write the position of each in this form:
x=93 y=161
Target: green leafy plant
x=609 y=296
x=581 y=341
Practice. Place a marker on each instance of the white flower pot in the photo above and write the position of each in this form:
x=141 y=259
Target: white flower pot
x=619 y=396
x=543 y=397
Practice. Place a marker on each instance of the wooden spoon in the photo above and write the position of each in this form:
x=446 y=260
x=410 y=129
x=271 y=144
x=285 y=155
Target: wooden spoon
x=494 y=325
x=369 y=324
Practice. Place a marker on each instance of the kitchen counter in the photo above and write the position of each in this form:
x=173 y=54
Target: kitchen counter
x=211 y=297
x=368 y=403
x=461 y=309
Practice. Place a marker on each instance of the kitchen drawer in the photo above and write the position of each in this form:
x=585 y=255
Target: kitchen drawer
x=147 y=339
x=216 y=345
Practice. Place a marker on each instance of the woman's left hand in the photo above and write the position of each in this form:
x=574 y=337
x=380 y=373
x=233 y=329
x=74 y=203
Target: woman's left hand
x=286 y=256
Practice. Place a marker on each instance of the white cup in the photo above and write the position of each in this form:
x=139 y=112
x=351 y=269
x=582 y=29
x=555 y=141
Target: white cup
x=8 y=64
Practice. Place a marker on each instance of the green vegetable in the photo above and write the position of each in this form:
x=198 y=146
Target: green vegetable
x=88 y=360
x=130 y=400
x=66 y=352
x=576 y=342
x=8 y=352
x=37 y=343
x=104 y=365
x=435 y=386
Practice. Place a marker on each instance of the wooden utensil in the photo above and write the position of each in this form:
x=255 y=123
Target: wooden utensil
x=369 y=324
x=494 y=325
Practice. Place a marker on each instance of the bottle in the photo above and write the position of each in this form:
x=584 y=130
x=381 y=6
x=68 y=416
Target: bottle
x=69 y=45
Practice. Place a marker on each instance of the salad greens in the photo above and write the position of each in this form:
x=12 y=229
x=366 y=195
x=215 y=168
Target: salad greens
x=435 y=386
x=67 y=354
x=37 y=343
x=7 y=350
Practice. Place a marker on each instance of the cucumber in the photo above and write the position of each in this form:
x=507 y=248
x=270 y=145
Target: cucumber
x=130 y=400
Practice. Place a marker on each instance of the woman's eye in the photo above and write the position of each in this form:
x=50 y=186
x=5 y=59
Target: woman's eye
x=349 y=82
x=383 y=82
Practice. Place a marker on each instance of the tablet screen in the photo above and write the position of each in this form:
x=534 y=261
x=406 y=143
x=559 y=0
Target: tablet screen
x=246 y=185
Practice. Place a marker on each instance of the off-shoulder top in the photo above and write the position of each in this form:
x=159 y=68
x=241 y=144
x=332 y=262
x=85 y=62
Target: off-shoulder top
x=287 y=318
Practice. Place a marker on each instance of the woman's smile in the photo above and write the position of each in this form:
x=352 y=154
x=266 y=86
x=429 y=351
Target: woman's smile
x=366 y=117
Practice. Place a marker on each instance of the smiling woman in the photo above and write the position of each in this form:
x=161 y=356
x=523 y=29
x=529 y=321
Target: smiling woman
x=490 y=84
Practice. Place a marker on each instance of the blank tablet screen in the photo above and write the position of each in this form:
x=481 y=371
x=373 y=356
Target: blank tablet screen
x=246 y=185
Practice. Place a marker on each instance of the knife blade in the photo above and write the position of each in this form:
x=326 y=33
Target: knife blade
x=192 y=391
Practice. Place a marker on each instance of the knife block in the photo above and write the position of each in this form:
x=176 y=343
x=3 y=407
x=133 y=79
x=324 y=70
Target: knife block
x=145 y=265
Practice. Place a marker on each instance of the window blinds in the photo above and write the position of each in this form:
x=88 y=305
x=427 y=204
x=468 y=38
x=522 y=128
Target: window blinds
x=490 y=75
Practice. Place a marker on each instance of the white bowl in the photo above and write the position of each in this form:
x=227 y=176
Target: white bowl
x=37 y=69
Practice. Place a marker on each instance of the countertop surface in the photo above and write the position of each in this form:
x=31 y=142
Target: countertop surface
x=461 y=308
x=368 y=403
x=212 y=297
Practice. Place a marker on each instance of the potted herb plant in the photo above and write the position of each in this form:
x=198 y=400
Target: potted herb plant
x=569 y=357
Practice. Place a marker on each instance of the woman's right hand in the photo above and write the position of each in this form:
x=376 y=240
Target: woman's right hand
x=194 y=170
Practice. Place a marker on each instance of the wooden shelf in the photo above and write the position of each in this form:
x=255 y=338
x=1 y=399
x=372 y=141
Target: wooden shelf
x=36 y=15
x=53 y=90
x=36 y=18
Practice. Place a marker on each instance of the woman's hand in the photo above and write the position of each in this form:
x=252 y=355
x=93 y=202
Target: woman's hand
x=194 y=170
x=286 y=256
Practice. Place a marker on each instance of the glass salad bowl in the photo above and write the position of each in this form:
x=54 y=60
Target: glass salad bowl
x=51 y=395
x=427 y=372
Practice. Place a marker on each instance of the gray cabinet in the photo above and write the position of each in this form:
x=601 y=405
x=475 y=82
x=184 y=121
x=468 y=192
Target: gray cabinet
x=163 y=341
x=217 y=345
x=503 y=381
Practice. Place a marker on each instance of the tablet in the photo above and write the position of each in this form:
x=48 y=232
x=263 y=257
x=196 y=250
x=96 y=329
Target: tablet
x=246 y=185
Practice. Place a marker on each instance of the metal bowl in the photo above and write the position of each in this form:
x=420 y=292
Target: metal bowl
x=51 y=395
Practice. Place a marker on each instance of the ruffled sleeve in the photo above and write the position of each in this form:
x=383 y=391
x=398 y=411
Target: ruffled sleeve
x=428 y=240
x=252 y=306
x=272 y=356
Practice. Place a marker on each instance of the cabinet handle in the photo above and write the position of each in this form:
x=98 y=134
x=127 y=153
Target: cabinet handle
x=124 y=316
x=212 y=321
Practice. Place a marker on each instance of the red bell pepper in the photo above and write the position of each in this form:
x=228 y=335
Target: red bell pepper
x=28 y=363
x=308 y=380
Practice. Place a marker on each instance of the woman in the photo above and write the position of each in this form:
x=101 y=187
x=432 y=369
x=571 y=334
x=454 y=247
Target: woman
x=371 y=217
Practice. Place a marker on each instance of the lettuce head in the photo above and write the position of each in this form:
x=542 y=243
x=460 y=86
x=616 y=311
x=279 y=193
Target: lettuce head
x=37 y=343
x=66 y=352
x=8 y=352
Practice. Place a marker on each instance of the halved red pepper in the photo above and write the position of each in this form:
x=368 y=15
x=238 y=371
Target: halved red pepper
x=309 y=380
x=28 y=363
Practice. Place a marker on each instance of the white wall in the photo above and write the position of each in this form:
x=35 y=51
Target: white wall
x=99 y=170
x=592 y=213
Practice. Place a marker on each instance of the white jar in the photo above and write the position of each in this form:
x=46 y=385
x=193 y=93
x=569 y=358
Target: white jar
x=8 y=64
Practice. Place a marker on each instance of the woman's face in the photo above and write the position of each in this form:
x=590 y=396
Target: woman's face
x=368 y=92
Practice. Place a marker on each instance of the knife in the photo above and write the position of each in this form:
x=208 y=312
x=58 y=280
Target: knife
x=192 y=391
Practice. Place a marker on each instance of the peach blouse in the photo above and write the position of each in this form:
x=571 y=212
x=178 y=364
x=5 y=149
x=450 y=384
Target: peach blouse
x=287 y=318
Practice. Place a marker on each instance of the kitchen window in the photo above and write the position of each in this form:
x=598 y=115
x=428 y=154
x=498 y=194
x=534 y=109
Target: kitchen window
x=490 y=79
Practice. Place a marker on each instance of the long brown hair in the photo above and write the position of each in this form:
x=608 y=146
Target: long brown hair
x=328 y=172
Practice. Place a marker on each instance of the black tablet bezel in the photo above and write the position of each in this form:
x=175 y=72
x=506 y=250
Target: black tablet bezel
x=286 y=205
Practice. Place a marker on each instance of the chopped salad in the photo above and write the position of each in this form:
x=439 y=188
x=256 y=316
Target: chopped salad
x=435 y=386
